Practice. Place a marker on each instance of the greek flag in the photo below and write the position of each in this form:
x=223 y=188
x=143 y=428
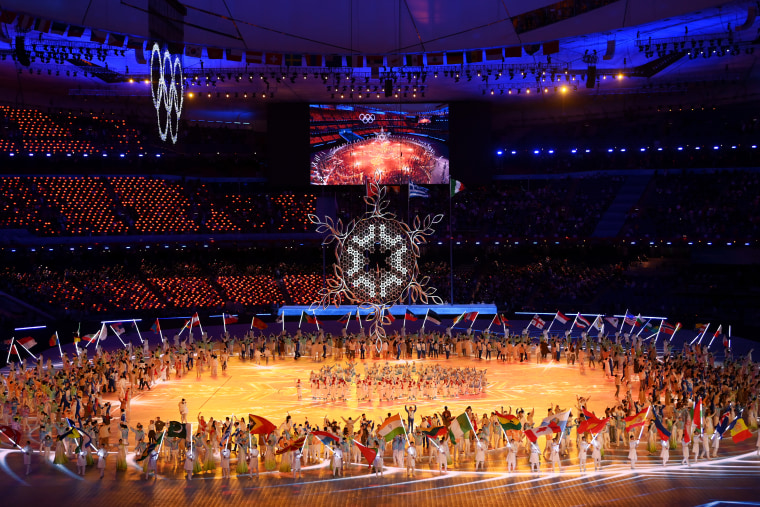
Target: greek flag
x=418 y=191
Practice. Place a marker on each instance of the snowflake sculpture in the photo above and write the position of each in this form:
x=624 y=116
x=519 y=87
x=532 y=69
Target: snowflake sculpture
x=376 y=262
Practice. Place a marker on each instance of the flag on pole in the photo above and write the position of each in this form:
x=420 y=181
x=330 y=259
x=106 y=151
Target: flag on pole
x=538 y=322
x=640 y=321
x=433 y=317
x=27 y=342
x=53 y=340
x=391 y=427
x=533 y=434
x=698 y=413
x=562 y=318
x=723 y=423
x=436 y=432
x=369 y=454
x=411 y=317
x=496 y=321
x=258 y=323
x=12 y=434
x=311 y=319
x=509 y=421
x=582 y=322
x=613 y=321
x=557 y=422
x=194 y=321
x=459 y=427
x=630 y=320
x=471 y=316
x=119 y=329
x=455 y=187
x=229 y=319
x=418 y=191
x=592 y=425
x=667 y=328
x=326 y=438
x=293 y=446
x=176 y=429
x=636 y=420
x=151 y=447
x=389 y=316
x=261 y=426
x=156 y=327
x=740 y=432
x=598 y=324
x=345 y=318
x=661 y=429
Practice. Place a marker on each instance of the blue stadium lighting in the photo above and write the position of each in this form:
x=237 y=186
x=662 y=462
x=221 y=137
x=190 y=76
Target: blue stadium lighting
x=28 y=328
x=12 y=154
x=89 y=248
x=574 y=150
x=477 y=242
x=31 y=154
x=48 y=155
x=140 y=155
x=643 y=149
x=651 y=242
x=121 y=155
x=697 y=148
x=535 y=242
x=622 y=149
x=659 y=149
x=588 y=151
x=745 y=244
x=754 y=146
x=536 y=152
x=440 y=242
x=709 y=243
x=514 y=152
x=728 y=244
x=129 y=247
x=68 y=154
x=680 y=148
x=105 y=154
x=459 y=242
x=716 y=147
x=34 y=249
x=71 y=249
x=610 y=150
x=733 y=147
x=86 y=155
x=551 y=152
x=500 y=153
x=633 y=242
x=158 y=155
x=496 y=243
x=517 y=242
x=690 y=243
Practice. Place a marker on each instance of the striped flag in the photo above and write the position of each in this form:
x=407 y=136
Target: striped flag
x=636 y=420
x=261 y=426
x=561 y=317
x=533 y=434
x=411 y=317
x=509 y=421
x=391 y=427
x=740 y=432
x=418 y=190
x=325 y=437
x=459 y=427
x=433 y=317
x=661 y=429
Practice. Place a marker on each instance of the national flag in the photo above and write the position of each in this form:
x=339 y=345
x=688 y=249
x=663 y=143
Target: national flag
x=89 y=338
x=434 y=58
x=9 y=432
x=215 y=53
x=261 y=426
x=413 y=60
x=699 y=327
x=740 y=432
x=636 y=420
x=53 y=340
x=533 y=434
x=274 y=59
x=345 y=318
x=229 y=319
x=630 y=320
x=25 y=22
x=114 y=39
x=640 y=321
x=368 y=453
x=194 y=321
x=151 y=447
x=311 y=319
x=537 y=322
x=513 y=52
x=389 y=316
x=661 y=429
x=505 y=321
x=562 y=318
x=459 y=427
x=194 y=51
x=433 y=317
x=119 y=329
x=598 y=324
x=436 y=432
x=667 y=328
x=258 y=323
x=496 y=321
x=295 y=445
x=176 y=429
x=27 y=342
x=134 y=43
x=698 y=414
x=686 y=437
x=495 y=54
x=313 y=60
x=76 y=31
x=718 y=332
x=551 y=47
x=411 y=317
x=557 y=422
x=471 y=316
x=723 y=423
x=326 y=438
x=475 y=56
x=613 y=321
x=391 y=427
x=76 y=433
x=254 y=57
x=418 y=190
x=42 y=25
x=582 y=322
x=293 y=60
x=77 y=339
x=156 y=327
x=455 y=58
x=592 y=425
x=509 y=421
x=455 y=186
x=234 y=55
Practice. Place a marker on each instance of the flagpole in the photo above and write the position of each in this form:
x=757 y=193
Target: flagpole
x=282 y=318
x=299 y=320
x=199 y=323
x=548 y=330
x=224 y=323
x=403 y=426
x=623 y=320
x=471 y=426
x=645 y=417
x=8 y=359
x=348 y=321
x=117 y=336
x=700 y=335
x=491 y=324
x=678 y=326
x=572 y=326
x=715 y=336
x=58 y=341
x=473 y=320
x=139 y=334
x=27 y=350
x=642 y=327
x=451 y=250
x=425 y=319
x=316 y=320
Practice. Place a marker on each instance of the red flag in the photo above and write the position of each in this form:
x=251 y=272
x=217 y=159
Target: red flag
x=495 y=54
x=686 y=437
x=541 y=431
x=740 y=432
x=274 y=59
x=296 y=444
x=53 y=340
x=229 y=319
x=194 y=321
x=11 y=433
x=592 y=425
x=261 y=426
x=434 y=58
x=255 y=57
x=369 y=454
x=636 y=420
x=411 y=317
x=258 y=323
x=698 y=414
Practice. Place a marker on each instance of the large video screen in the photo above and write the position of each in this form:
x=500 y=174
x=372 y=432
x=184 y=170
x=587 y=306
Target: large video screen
x=389 y=143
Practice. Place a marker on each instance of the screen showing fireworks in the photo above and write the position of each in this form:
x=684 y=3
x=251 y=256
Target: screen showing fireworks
x=388 y=143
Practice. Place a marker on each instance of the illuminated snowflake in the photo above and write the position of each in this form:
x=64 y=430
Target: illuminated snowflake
x=376 y=261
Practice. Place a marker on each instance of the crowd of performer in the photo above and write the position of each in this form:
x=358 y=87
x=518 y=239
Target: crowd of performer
x=683 y=401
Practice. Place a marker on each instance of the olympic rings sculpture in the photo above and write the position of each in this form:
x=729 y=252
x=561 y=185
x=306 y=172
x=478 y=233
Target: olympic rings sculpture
x=367 y=117
x=167 y=96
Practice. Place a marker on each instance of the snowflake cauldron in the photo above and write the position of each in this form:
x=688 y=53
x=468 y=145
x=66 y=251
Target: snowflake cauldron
x=376 y=261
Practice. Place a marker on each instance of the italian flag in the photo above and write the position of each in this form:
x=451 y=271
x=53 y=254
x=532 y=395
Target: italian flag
x=391 y=427
x=456 y=187
x=459 y=427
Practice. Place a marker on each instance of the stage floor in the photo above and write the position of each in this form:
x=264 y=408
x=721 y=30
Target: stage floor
x=270 y=391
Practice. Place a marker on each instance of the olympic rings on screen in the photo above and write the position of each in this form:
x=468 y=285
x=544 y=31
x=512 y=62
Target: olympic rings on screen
x=170 y=95
x=366 y=117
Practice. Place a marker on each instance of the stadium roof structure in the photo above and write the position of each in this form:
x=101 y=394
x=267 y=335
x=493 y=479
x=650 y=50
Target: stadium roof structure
x=306 y=51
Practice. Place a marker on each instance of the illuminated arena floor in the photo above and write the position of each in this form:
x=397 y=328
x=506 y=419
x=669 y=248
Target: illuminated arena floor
x=270 y=391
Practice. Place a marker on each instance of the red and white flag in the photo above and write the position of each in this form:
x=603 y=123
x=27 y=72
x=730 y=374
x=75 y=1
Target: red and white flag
x=557 y=422
x=27 y=342
x=537 y=322
x=194 y=321
x=581 y=321
x=542 y=431
x=561 y=317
